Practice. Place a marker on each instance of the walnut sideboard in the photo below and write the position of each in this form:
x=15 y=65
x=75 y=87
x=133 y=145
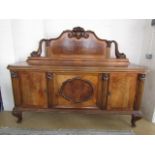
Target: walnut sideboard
x=76 y=72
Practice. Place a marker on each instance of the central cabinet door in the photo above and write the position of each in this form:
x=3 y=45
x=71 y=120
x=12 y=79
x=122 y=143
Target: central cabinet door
x=75 y=90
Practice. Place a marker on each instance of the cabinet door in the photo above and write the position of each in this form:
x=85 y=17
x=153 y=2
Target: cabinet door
x=33 y=89
x=75 y=90
x=122 y=90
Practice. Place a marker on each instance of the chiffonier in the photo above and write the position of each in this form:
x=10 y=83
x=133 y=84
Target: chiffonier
x=76 y=72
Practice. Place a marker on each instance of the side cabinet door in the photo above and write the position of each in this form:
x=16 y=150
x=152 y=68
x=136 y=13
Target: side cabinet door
x=33 y=89
x=122 y=90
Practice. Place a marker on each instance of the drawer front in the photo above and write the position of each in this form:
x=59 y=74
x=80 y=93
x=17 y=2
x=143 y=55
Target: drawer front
x=75 y=90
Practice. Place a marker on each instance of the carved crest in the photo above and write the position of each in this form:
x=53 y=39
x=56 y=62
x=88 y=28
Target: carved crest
x=77 y=90
x=78 y=32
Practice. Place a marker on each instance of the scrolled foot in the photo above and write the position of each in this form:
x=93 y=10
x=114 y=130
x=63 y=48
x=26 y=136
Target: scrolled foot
x=135 y=117
x=17 y=114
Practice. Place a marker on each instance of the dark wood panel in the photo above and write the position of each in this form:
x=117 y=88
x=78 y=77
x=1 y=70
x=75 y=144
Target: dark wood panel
x=71 y=46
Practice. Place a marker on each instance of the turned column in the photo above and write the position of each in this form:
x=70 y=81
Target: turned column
x=17 y=95
x=137 y=115
x=104 y=90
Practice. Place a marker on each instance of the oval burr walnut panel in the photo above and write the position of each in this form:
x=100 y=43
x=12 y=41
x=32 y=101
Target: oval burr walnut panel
x=77 y=90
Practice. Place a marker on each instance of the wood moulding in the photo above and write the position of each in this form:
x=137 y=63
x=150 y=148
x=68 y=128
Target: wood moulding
x=95 y=110
x=78 y=62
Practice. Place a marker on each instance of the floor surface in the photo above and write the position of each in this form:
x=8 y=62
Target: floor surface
x=67 y=120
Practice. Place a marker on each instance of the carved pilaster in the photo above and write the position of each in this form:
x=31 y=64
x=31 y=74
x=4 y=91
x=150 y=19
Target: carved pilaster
x=50 y=88
x=139 y=91
x=16 y=88
x=104 y=90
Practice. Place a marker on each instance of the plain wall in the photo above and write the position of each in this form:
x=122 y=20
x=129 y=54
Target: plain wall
x=148 y=102
x=6 y=57
x=18 y=38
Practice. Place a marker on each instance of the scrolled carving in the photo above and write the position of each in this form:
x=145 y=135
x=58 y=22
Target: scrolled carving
x=35 y=54
x=117 y=53
x=142 y=77
x=39 y=51
x=77 y=90
x=50 y=76
x=105 y=76
x=78 y=32
x=14 y=74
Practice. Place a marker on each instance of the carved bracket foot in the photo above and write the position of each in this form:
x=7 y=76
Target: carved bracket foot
x=135 y=117
x=17 y=114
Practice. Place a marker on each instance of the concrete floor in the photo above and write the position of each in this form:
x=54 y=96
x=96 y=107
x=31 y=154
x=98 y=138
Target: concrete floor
x=52 y=120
